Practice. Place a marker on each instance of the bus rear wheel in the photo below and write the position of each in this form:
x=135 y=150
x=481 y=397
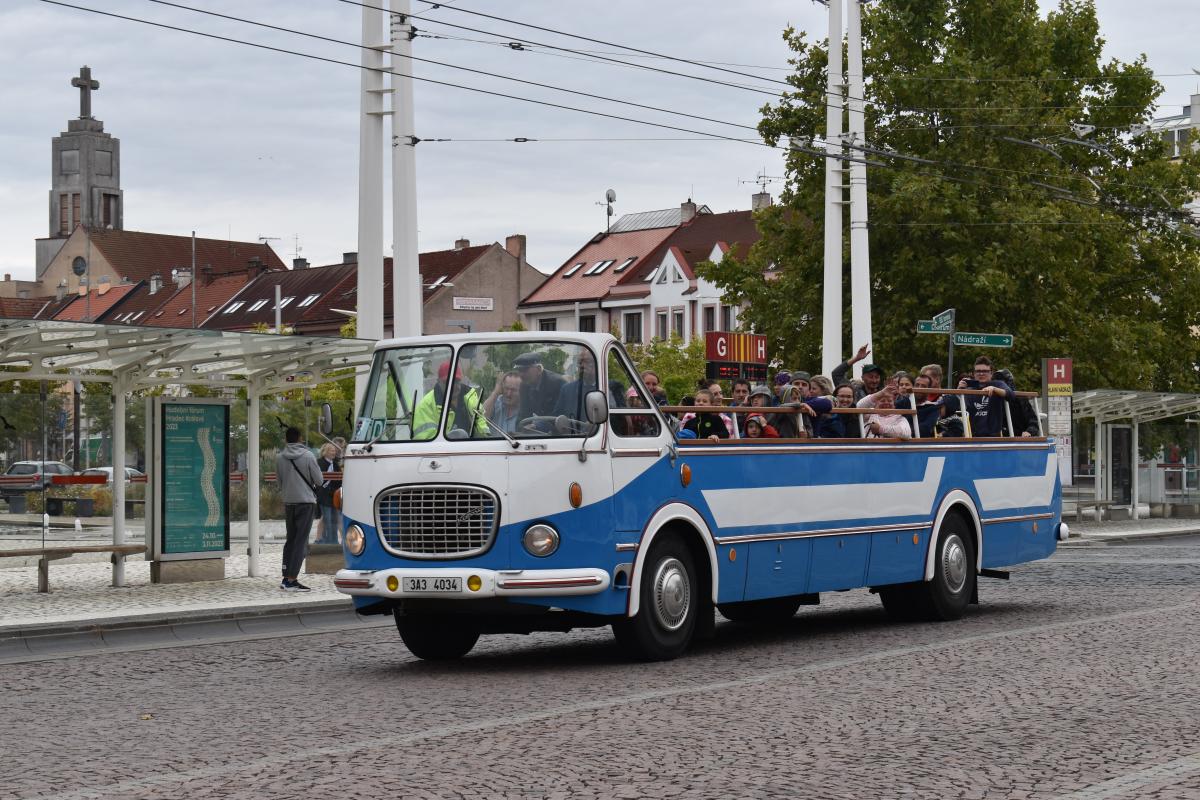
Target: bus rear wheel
x=434 y=639
x=670 y=599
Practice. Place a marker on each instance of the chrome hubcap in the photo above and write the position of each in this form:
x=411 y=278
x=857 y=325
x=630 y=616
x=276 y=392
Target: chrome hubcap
x=672 y=594
x=954 y=563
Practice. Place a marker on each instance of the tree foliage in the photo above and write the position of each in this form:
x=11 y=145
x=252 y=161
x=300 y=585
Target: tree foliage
x=677 y=365
x=1072 y=242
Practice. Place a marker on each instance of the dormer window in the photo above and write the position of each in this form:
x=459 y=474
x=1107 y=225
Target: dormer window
x=626 y=264
x=230 y=309
x=653 y=274
x=308 y=301
x=285 y=301
x=256 y=305
x=574 y=269
x=600 y=266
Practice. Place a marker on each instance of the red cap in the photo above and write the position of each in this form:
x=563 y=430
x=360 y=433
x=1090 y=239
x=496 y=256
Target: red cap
x=444 y=370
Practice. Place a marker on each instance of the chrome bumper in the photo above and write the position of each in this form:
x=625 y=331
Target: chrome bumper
x=493 y=583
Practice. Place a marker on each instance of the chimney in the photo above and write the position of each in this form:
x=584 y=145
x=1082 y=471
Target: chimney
x=462 y=244
x=103 y=287
x=60 y=291
x=257 y=266
x=760 y=200
x=515 y=245
x=299 y=263
x=181 y=277
x=7 y=277
x=155 y=283
x=206 y=274
x=350 y=258
x=687 y=210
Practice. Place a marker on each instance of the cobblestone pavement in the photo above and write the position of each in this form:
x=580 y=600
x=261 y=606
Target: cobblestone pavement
x=1075 y=679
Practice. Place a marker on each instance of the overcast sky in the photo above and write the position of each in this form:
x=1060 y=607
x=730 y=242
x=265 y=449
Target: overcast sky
x=233 y=141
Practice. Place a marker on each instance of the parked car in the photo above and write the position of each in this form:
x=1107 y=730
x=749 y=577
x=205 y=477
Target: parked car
x=40 y=474
x=130 y=472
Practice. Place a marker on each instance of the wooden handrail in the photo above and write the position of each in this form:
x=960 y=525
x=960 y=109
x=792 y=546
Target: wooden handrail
x=982 y=392
x=765 y=410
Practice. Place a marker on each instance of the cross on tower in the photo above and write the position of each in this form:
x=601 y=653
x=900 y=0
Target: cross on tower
x=86 y=85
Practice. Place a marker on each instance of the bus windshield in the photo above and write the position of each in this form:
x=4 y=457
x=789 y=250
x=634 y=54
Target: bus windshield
x=400 y=377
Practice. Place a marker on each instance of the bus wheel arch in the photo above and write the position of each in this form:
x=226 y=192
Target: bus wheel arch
x=957 y=503
x=686 y=523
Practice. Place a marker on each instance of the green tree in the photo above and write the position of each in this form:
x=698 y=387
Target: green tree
x=678 y=366
x=1069 y=241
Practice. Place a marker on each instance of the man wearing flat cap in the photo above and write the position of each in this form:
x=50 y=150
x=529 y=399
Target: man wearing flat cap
x=540 y=387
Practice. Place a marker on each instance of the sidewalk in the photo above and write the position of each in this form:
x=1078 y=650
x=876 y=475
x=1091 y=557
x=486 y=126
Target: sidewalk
x=82 y=599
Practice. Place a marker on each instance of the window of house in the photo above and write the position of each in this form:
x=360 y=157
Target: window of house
x=575 y=268
x=651 y=276
x=256 y=305
x=677 y=277
x=726 y=318
x=600 y=266
x=587 y=323
x=232 y=307
x=550 y=324
x=64 y=214
x=633 y=328
x=182 y=311
x=660 y=325
x=285 y=301
x=308 y=301
x=626 y=264
x=136 y=316
x=108 y=210
x=75 y=218
x=677 y=322
x=710 y=319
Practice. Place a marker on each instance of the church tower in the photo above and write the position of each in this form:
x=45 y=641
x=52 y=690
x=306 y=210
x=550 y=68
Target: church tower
x=85 y=176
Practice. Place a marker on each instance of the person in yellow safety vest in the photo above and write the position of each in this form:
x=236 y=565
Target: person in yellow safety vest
x=465 y=400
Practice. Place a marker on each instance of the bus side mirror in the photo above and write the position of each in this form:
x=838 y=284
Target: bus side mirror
x=596 y=407
x=325 y=423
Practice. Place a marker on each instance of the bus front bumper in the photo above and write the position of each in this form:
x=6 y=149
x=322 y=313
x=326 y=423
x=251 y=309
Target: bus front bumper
x=470 y=584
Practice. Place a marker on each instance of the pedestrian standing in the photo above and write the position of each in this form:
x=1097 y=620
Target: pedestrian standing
x=298 y=476
x=331 y=518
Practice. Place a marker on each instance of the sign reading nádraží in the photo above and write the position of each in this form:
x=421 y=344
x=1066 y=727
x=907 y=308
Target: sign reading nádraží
x=195 y=478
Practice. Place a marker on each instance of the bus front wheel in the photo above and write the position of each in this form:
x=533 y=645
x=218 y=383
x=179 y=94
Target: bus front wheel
x=436 y=639
x=947 y=595
x=666 y=618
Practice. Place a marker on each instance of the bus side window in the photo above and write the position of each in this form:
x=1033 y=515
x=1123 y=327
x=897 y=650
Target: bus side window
x=628 y=415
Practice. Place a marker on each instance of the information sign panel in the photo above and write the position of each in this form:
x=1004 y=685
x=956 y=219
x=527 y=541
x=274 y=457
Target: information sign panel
x=983 y=339
x=1059 y=377
x=191 y=486
x=943 y=320
x=738 y=347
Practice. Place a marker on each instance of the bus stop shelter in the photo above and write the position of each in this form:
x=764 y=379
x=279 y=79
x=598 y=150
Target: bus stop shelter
x=1115 y=408
x=129 y=358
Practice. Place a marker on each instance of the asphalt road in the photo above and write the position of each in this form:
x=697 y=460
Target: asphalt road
x=1078 y=678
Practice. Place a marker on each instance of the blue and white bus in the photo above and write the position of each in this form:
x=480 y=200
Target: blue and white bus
x=519 y=482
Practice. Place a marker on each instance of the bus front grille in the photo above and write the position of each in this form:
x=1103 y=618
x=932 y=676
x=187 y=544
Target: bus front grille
x=437 y=521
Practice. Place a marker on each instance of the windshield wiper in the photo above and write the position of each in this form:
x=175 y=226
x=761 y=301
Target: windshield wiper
x=478 y=414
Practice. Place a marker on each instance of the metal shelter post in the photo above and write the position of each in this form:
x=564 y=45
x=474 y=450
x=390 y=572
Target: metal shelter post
x=119 y=386
x=1133 y=486
x=1098 y=467
x=254 y=568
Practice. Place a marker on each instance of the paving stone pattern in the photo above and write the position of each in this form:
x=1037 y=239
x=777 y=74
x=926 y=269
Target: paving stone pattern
x=1077 y=678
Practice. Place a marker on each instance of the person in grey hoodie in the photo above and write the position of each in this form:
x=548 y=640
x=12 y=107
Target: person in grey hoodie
x=296 y=473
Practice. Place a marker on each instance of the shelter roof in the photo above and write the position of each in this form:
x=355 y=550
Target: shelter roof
x=140 y=356
x=1109 y=405
x=137 y=255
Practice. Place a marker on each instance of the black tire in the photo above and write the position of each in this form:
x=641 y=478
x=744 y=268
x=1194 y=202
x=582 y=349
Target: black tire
x=436 y=639
x=947 y=596
x=774 y=611
x=670 y=601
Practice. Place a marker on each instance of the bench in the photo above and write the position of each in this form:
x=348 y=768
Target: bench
x=47 y=554
x=1100 y=505
x=81 y=506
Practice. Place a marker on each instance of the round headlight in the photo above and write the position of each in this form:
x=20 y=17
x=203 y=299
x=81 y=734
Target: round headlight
x=540 y=540
x=355 y=539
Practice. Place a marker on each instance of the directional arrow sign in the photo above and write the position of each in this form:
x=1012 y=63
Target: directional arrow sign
x=929 y=326
x=943 y=320
x=984 y=339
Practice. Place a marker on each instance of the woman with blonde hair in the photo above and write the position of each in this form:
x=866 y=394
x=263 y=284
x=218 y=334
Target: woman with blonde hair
x=330 y=527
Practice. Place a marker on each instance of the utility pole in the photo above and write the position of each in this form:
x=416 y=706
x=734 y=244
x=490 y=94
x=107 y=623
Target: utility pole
x=406 y=270
x=370 y=184
x=193 y=280
x=860 y=257
x=831 y=317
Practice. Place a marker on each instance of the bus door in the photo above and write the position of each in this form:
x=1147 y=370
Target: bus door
x=638 y=442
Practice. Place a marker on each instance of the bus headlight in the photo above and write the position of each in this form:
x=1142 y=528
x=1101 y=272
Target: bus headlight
x=540 y=540
x=355 y=539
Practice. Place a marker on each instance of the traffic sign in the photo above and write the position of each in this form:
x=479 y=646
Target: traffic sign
x=984 y=339
x=929 y=326
x=943 y=320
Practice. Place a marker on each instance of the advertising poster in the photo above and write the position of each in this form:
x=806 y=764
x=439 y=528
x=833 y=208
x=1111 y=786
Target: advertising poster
x=193 y=485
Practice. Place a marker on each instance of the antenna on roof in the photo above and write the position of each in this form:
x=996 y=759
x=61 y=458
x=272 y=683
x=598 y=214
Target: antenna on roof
x=762 y=179
x=610 y=197
x=265 y=239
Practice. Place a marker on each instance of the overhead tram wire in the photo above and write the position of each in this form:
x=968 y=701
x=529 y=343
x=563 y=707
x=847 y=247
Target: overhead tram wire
x=567 y=50
x=360 y=46
x=1056 y=193
x=325 y=59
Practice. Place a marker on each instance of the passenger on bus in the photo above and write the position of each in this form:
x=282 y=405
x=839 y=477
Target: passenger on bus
x=885 y=426
x=740 y=392
x=540 y=387
x=929 y=411
x=872 y=374
x=503 y=405
x=985 y=411
x=800 y=380
x=704 y=424
x=790 y=425
x=758 y=428
x=653 y=384
x=934 y=371
x=760 y=397
x=1024 y=417
x=783 y=379
x=571 y=396
x=844 y=426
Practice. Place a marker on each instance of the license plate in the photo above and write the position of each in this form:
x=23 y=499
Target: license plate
x=433 y=585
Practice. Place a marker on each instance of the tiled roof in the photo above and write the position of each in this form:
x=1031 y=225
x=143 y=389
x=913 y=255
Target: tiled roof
x=23 y=307
x=255 y=304
x=176 y=310
x=445 y=265
x=568 y=283
x=695 y=242
x=136 y=255
x=89 y=307
x=136 y=304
